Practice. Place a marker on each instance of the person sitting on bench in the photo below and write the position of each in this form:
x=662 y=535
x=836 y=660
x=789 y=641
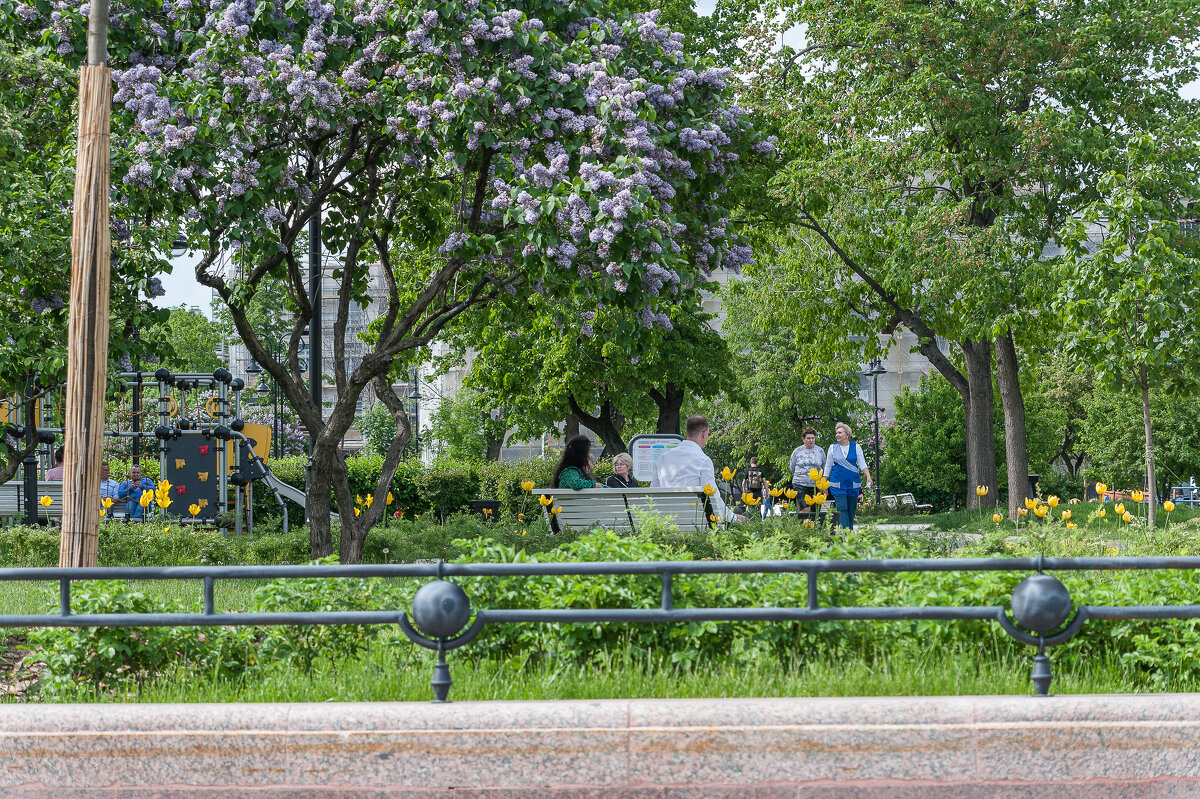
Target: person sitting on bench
x=575 y=467
x=686 y=466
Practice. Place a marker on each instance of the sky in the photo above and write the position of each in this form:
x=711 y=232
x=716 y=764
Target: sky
x=181 y=286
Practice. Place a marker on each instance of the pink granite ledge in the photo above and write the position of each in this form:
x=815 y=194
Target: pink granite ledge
x=900 y=748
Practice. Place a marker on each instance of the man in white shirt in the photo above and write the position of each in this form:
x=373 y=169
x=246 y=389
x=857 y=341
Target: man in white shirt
x=686 y=466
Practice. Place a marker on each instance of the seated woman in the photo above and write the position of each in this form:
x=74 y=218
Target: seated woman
x=622 y=473
x=575 y=469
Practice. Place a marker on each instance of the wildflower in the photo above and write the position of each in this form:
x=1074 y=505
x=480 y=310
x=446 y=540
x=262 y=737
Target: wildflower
x=46 y=502
x=523 y=532
x=692 y=505
x=487 y=512
x=981 y=491
x=521 y=518
x=399 y=514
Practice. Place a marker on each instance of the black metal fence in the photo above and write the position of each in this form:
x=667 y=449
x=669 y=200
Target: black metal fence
x=443 y=618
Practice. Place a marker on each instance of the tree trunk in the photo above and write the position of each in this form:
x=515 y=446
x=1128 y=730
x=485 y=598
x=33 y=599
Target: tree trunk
x=669 y=402
x=978 y=408
x=494 y=446
x=570 y=427
x=1151 y=488
x=1015 y=445
x=606 y=424
x=319 y=500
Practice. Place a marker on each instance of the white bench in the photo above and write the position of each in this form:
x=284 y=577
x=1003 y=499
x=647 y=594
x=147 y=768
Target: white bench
x=12 y=499
x=909 y=503
x=615 y=507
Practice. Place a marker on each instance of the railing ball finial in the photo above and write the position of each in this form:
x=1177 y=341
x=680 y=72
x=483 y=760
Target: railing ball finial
x=1041 y=603
x=441 y=609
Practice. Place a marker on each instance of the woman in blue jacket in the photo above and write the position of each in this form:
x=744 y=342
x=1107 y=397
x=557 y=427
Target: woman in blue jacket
x=843 y=464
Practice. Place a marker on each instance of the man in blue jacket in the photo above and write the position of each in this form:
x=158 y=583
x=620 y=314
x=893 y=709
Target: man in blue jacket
x=131 y=491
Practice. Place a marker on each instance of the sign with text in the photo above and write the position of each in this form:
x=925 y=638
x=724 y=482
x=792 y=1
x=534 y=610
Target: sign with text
x=646 y=449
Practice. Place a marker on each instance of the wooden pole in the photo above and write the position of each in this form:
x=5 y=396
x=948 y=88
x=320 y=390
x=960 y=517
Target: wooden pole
x=87 y=328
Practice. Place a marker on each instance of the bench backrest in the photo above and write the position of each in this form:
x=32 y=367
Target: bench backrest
x=889 y=501
x=907 y=499
x=12 y=498
x=618 y=507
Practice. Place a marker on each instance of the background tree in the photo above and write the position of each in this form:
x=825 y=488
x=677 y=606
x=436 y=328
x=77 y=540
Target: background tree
x=186 y=342
x=1129 y=299
x=460 y=427
x=936 y=148
x=37 y=151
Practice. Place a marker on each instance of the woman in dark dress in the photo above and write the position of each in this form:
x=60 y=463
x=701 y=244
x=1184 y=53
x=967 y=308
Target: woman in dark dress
x=622 y=473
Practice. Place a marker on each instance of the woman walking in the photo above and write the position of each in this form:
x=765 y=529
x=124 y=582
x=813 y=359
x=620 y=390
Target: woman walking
x=805 y=458
x=843 y=464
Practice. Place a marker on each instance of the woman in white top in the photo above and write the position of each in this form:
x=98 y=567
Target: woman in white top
x=843 y=464
x=805 y=458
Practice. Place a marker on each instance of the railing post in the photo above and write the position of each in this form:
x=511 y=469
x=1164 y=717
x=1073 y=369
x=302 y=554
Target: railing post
x=208 y=596
x=1041 y=669
x=64 y=597
x=812 y=589
x=667 y=601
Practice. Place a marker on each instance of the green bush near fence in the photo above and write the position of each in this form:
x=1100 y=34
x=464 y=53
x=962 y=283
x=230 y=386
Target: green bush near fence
x=1161 y=653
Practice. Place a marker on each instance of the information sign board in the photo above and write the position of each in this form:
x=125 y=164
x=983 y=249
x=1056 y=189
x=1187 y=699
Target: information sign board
x=646 y=449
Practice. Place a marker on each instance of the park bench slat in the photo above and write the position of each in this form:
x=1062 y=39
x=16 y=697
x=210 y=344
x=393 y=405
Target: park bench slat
x=617 y=507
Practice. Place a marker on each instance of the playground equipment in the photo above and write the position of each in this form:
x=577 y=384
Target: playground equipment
x=203 y=444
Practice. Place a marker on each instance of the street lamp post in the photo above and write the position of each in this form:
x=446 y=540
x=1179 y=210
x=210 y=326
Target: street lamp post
x=414 y=418
x=874 y=370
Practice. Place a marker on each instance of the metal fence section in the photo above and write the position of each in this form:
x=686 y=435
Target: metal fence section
x=443 y=617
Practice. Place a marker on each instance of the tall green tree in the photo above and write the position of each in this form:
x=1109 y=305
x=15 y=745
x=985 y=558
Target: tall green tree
x=186 y=342
x=1131 y=280
x=936 y=148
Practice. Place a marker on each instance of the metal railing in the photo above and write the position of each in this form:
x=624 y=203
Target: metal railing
x=443 y=617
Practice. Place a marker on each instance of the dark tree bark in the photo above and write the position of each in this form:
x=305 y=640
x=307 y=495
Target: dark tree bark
x=1151 y=488
x=978 y=407
x=570 y=427
x=494 y=447
x=606 y=424
x=1015 y=451
x=669 y=402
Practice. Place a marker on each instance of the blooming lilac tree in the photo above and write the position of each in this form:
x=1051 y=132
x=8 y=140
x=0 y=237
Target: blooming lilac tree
x=562 y=147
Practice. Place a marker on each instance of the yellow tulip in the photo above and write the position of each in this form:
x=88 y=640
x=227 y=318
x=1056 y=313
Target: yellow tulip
x=545 y=500
x=146 y=499
x=750 y=500
x=1101 y=489
x=527 y=485
x=194 y=509
x=1041 y=510
x=358 y=511
x=712 y=517
x=370 y=499
x=1030 y=503
x=997 y=518
x=521 y=518
x=709 y=488
x=390 y=498
x=46 y=502
x=102 y=512
x=164 y=503
x=727 y=474
x=1066 y=515
x=556 y=509
x=358 y=500
x=1052 y=501
x=1071 y=525
x=1128 y=517
x=1120 y=509
x=1168 y=506
x=1100 y=514
x=776 y=492
x=822 y=484
x=813 y=474
x=819 y=499
x=1136 y=496
x=809 y=523
x=809 y=500
x=981 y=491
x=790 y=493
x=1022 y=511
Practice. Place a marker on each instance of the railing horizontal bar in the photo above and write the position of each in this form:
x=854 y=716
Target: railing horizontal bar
x=201 y=619
x=602 y=567
x=648 y=615
x=1145 y=612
